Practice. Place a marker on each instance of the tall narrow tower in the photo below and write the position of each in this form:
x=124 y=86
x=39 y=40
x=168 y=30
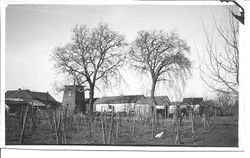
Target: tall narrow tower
x=74 y=98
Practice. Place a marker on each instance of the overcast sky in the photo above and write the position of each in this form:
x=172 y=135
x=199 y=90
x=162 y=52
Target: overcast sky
x=32 y=31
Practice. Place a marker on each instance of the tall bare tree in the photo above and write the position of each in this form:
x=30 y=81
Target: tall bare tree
x=161 y=55
x=240 y=17
x=220 y=65
x=226 y=102
x=93 y=55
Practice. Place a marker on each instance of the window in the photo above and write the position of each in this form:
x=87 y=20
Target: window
x=69 y=92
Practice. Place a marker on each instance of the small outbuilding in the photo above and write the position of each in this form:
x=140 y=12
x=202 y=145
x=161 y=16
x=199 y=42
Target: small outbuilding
x=146 y=107
x=124 y=103
x=18 y=99
x=192 y=103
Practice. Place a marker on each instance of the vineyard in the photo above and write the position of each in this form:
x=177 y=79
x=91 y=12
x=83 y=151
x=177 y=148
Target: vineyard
x=53 y=127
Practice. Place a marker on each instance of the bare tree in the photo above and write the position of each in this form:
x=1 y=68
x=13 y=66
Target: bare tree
x=161 y=55
x=93 y=55
x=240 y=17
x=220 y=67
x=226 y=102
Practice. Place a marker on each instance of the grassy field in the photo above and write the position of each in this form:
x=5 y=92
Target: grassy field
x=223 y=133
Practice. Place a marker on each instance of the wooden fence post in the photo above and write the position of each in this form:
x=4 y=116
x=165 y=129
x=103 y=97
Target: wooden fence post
x=24 y=125
x=56 y=128
x=133 y=127
x=117 y=125
x=103 y=129
x=111 y=125
x=192 y=123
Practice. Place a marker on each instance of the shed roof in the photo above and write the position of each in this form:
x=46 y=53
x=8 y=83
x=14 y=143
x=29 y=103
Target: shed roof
x=19 y=103
x=192 y=101
x=27 y=95
x=119 y=99
x=160 y=100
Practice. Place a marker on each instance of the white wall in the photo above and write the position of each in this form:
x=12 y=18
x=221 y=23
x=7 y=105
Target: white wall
x=142 y=109
x=124 y=107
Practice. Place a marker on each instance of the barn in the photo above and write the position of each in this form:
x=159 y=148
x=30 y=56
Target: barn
x=124 y=103
x=145 y=105
x=194 y=103
x=172 y=108
x=18 y=99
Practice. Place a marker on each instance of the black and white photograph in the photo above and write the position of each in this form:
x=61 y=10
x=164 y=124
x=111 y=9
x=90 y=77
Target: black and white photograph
x=132 y=74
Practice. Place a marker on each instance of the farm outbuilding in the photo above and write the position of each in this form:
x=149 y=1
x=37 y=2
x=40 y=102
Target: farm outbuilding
x=172 y=107
x=162 y=103
x=124 y=103
x=193 y=103
x=143 y=107
x=18 y=99
x=74 y=98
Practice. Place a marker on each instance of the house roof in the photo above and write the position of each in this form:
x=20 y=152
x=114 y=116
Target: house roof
x=192 y=101
x=119 y=99
x=160 y=100
x=27 y=95
x=12 y=102
x=18 y=94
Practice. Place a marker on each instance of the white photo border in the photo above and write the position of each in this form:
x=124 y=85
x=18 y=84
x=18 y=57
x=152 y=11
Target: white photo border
x=243 y=78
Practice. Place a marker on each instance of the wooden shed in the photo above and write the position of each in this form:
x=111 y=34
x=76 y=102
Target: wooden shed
x=17 y=99
x=162 y=103
x=193 y=103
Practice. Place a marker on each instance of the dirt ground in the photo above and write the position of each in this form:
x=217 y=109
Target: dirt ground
x=224 y=133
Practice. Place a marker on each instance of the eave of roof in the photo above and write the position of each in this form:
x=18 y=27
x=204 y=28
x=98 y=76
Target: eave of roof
x=29 y=96
x=118 y=99
x=160 y=100
x=192 y=101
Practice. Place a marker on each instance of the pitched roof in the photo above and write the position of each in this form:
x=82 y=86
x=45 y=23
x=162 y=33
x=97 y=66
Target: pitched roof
x=42 y=96
x=119 y=99
x=18 y=94
x=27 y=95
x=160 y=100
x=19 y=103
x=192 y=101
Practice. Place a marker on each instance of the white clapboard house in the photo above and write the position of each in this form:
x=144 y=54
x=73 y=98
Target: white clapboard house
x=125 y=103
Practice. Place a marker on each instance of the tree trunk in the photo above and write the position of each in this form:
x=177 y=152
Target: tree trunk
x=90 y=109
x=153 y=104
x=91 y=99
